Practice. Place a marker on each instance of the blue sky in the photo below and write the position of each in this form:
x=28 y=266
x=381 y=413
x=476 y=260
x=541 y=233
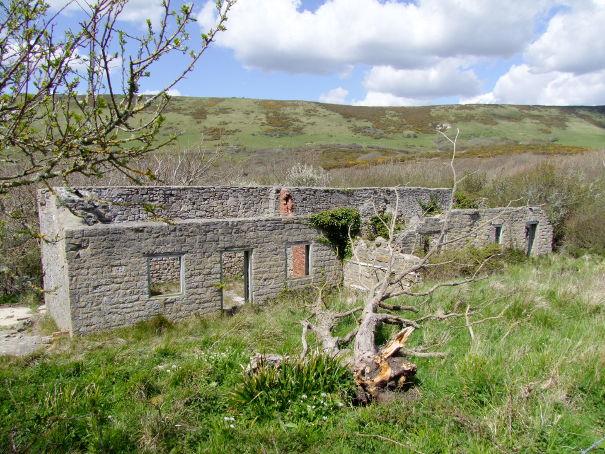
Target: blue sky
x=388 y=52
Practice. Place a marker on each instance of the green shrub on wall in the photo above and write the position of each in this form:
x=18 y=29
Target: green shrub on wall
x=430 y=208
x=338 y=226
x=380 y=224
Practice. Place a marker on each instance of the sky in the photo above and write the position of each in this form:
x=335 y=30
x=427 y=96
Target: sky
x=393 y=52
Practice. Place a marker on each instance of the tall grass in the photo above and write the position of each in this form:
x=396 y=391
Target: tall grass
x=531 y=379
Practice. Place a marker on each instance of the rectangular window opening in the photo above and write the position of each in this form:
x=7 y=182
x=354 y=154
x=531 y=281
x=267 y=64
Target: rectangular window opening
x=165 y=273
x=530 y=235
x=298 y=260
x=235 y=278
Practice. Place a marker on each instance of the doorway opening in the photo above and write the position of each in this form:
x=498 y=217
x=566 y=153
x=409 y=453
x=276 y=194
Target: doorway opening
x=235 y=278
x=498 y=233
x=530 y=235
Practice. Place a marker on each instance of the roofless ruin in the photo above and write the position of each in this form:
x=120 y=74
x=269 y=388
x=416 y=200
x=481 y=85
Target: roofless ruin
x=114 y=256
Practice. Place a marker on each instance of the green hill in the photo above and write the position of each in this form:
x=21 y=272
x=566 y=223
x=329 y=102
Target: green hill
x=354 y=134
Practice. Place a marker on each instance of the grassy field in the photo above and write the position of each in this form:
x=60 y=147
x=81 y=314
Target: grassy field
x=349 y=134
x=531 y=381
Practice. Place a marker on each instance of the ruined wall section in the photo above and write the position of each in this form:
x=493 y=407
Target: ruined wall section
x=369 y=201
x=370 y=263
x=145 y=203
x=108 y=274
x=108 y=205
x=52 y=219
x=478 y=228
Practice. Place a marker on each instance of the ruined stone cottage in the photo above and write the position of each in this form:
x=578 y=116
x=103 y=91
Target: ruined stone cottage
x=114 y=256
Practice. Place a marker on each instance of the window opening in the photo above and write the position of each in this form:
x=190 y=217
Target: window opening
x=299 y=260
x=165 y=274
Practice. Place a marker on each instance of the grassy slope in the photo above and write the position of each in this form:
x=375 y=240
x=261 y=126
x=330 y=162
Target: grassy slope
x=532 y=381
x=260 y=124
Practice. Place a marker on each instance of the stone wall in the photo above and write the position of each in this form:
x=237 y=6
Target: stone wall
x=478 y=228
x=107 y=205
x=108 y=266
x=369 y=201
x=106 y=247
x=143 y=203
x=233 y=263
x=54 y=262
x=370 y=263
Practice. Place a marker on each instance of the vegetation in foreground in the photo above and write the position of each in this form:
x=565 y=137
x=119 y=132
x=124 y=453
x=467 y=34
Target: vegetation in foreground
x=532 y=379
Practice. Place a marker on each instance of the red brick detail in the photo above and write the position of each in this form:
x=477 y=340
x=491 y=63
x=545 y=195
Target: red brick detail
x=299 y=260
x=286 y=203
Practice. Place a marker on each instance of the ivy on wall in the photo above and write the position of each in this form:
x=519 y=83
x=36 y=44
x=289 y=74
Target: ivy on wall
x=338 y=226
x=379 y=226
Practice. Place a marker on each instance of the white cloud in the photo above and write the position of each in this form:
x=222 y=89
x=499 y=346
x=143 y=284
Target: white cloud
x=564 y=66
x=275 y=35
x=80 y=63
x=441 y=80
x=573 y=41
x=171 y=92
x=374 y=98
x=335 y=96
x=137 y=11
x=522 y=85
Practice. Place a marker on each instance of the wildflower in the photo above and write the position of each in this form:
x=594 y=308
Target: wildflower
x=340 y=404
x=229 y=418
x=325 y=418
x=303 y=397
x=231 y=426
x=323 y=395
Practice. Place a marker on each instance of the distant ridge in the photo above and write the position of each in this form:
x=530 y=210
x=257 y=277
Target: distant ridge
x=248 y=125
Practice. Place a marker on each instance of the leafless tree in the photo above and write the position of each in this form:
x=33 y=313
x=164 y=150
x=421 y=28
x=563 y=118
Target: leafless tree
x=379 y=368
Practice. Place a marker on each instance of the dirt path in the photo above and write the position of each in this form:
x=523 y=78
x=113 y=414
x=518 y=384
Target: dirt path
x=16 y=337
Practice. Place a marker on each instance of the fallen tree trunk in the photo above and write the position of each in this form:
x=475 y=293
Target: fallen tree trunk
x=380 y=369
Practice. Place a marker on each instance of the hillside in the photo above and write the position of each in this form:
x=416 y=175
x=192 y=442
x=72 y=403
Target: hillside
x=353 y=134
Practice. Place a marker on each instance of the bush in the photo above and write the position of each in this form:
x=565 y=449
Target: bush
x=560 y=194
x=456 y=263
x=585 y=228
x=379 y=226
x=20 y=268
x=304 y=389
x=430 y=208
x=338 y=226
x=464 y=201
x=307 y=175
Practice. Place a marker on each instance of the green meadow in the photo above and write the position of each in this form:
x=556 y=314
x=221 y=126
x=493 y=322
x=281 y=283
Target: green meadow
x=529 y=379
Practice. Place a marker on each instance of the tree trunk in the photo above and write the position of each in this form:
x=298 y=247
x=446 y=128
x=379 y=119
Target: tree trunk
x=377 y=370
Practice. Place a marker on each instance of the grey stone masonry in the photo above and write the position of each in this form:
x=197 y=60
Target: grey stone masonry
x=114 y=256
x=110 y=205
x=510 y=227
x=108 y=273
x=370 y=263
